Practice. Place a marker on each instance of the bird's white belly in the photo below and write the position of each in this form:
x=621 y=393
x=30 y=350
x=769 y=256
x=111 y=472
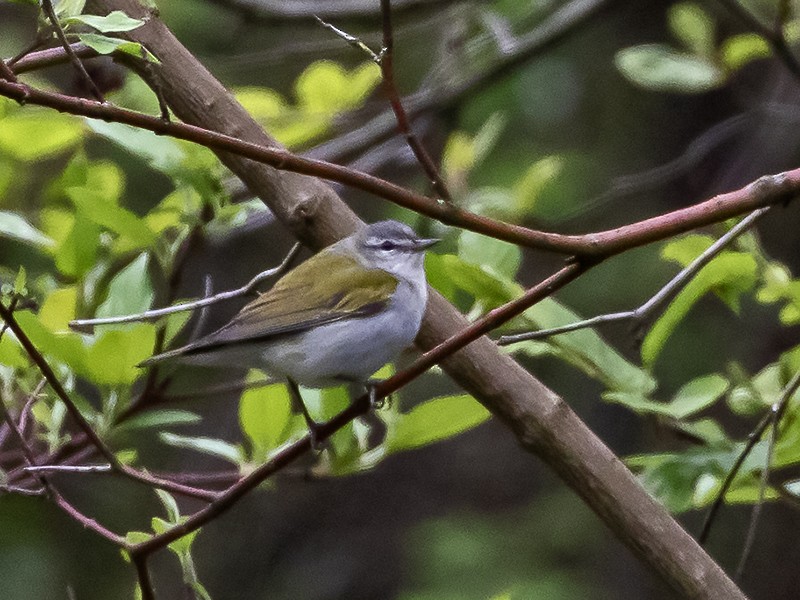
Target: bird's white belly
x=349 y=350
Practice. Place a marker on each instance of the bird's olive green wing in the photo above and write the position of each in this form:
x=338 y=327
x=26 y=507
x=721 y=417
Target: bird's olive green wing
x=331 y=287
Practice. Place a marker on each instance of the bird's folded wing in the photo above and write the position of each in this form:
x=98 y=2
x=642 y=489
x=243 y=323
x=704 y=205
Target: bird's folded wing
x=303 y=299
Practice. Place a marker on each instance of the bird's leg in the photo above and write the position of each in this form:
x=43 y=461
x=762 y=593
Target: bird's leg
x=374 y=402
x=300 y=406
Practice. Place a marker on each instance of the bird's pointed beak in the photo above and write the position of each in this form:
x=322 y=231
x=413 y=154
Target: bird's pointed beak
x=425 y=243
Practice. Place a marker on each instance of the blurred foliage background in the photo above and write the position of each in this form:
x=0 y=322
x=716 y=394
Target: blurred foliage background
x=641 y=109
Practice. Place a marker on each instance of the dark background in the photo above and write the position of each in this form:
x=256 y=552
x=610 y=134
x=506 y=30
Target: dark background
x=473 y=517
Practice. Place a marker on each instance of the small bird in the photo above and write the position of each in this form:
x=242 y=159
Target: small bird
x=336 y=318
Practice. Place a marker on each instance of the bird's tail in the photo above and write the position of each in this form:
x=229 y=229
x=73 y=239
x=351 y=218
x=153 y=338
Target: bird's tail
x=165 y=356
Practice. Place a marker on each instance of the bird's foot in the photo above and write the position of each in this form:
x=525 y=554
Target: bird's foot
x=374 y=402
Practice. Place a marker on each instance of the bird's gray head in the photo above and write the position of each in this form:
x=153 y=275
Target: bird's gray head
x=391 y=246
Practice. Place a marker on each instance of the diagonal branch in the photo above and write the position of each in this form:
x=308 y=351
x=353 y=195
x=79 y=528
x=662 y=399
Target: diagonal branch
x=665 y=295
x=157 y=313
x=86 y=428
x=770 y=189
x=403 y=124
x=542 y=422
x=47 y=7
x=51 y=491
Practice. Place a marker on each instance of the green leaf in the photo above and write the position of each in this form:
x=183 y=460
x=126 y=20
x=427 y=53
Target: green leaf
x=78 y=252
x=97 y=207
x=137 y=537
x=451 y=276
x=754 y=396
x=174 y=212
x=19 y=281
x=327 y=87
x=11 y=353
x=160 y=418
x=127 y=456
x=102 y=44
x=14 y=226
x=265 y=414
x=59 y=308
x=487 y=136
x=693 y=26
x=290 y=125
x=697 y=395
x=528 y=189
x=130 y=292
x=67 y=348
x=494 y=202
x=449 y=273
x=162 y=153
x=692 y=398
x=740 y=49
x=659 y=68
x=729 y=275
x=458 y=156
x=436 y=420
x=498 y=256
x=672 y=478
x=112 y=359
x=212 y=446
x=115 y=21
x=707 y=430
x=687 y=248
x=681 y=480
x=68 y=8
x=778 y=285
x=587 y=350
x=173 y=512
x=97 y=176
x=36 y=135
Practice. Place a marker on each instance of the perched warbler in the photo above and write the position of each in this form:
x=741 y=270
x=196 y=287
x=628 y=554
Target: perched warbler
x=336 y=318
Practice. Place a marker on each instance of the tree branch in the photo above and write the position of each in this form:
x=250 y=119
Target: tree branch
x=541 y=421
x=39 y=360
x=770 y=189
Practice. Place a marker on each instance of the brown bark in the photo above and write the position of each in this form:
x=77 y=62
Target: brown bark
x=540 y=419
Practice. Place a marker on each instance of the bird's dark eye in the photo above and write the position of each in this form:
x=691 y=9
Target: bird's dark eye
x=388 y=245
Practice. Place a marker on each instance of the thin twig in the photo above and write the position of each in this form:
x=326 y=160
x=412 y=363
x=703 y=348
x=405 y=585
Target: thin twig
x=51 y=56
x=358 y=407
x=762 y=488
x=52 y=379
x=152 y=315
x=767 y=190
x=387 y=70
x=26 y=408
x=47 y=7
x=22 y=491
x=384 y=60
x=452 y=87
x=69 y=469
x=12 y=306
x=752 y=439
x=665 y=295
x=143 y=575
x=283 y=10
x=85 y=426
x=351 y=39
x=51 y=491
x=6 y=72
